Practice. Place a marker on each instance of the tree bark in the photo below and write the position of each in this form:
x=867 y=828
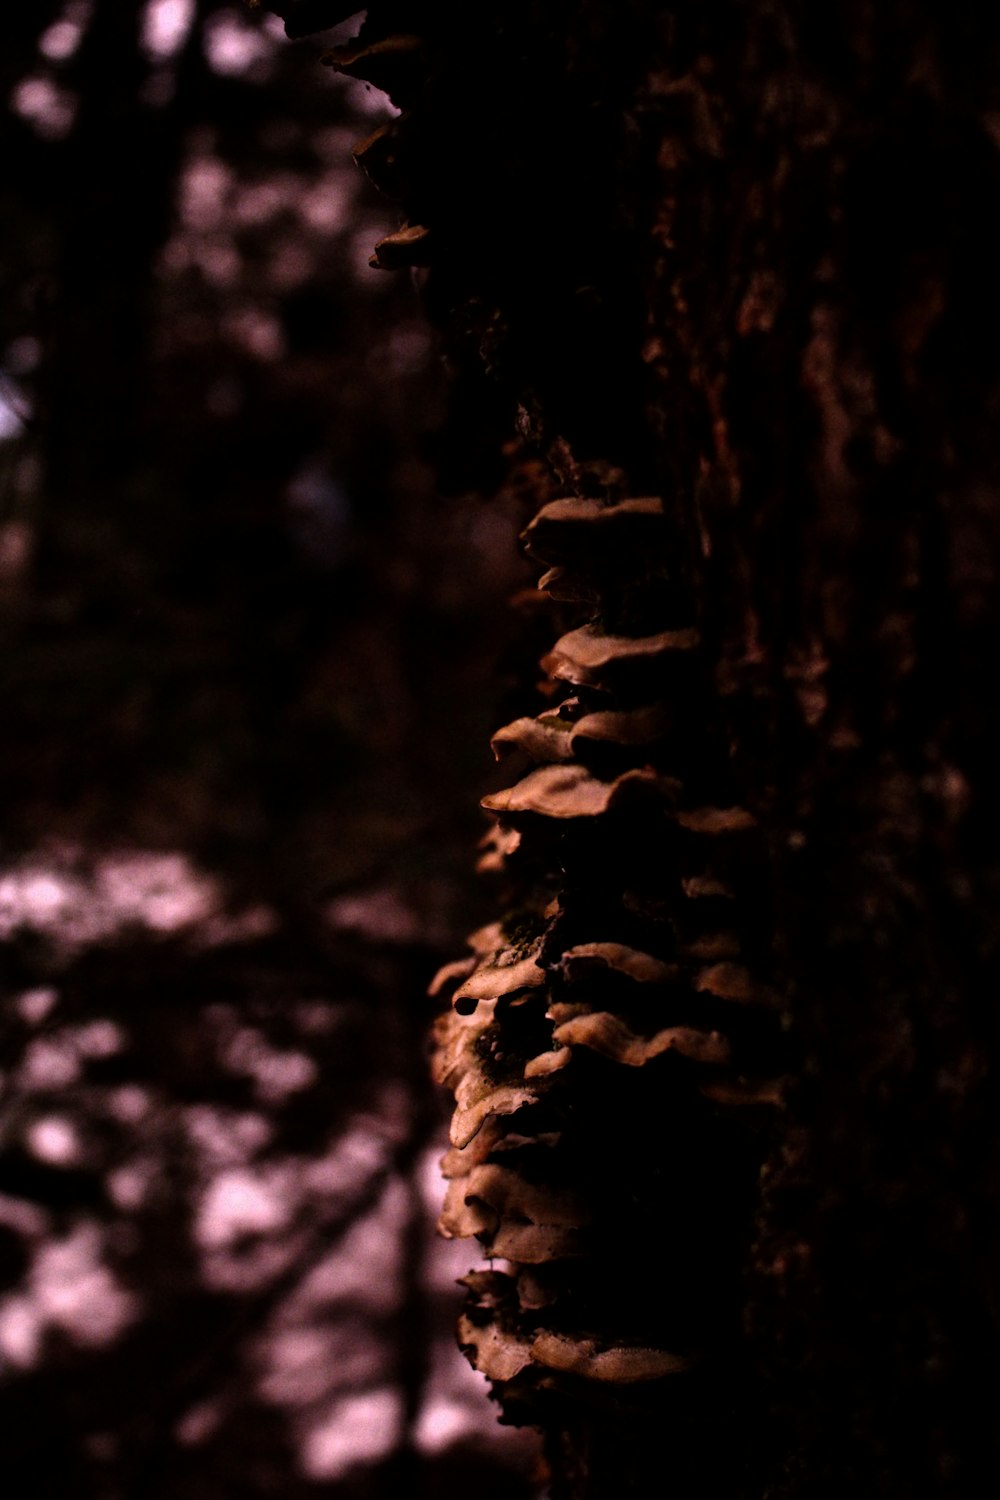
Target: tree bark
x=739 y=261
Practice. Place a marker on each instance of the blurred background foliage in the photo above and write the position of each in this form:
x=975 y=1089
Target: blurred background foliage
x=244 y=642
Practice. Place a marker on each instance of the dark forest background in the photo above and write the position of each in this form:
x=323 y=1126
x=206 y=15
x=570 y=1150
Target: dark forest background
x=253 y=641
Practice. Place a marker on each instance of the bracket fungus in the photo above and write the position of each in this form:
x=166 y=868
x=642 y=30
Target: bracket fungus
x=587 y=657
x=500 y=1355
x=547 y=738
x=607 y=1034
x=393 y=64
x=629 y=1008
x=622 y=1364
x=641 y=967
x=379 y=157
x=616 y=1061
x=572 y=792
x=408 y=246
x=585 y=533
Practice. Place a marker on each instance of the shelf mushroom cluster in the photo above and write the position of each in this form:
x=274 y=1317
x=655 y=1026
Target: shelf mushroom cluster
x=390 y=57
x=610 y=1044
x=597 y=1040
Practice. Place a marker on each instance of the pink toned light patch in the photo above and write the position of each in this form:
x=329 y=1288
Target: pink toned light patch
x=77 y=1292
x=20 y=1331
x=355 y=1430
x=46 y=106
x=257 y=332
x=379 y=914
x=238 y=1203
x=276 y=1073
x=205 y=193
x=70 y=1289
x=54 y=1139
x=232 y=45
x=163 y=892
x=165 y=25
x=100 y=1038
x=60 y=40
x=130 y=1103
x=48 y=1064
x=33 y=1006
x=128 y=1186
x=76 y=902
x=364 y=1270
x=225 y=1137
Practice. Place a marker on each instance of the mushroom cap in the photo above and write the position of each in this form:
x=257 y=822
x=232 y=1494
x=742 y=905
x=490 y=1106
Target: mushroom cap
x=408 y=246
x=570 y=791
x=589 y=658
x=588 y=532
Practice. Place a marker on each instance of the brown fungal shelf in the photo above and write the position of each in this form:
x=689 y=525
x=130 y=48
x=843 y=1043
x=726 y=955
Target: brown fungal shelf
x=617 y=1054
x=661 y=1014
x=394 y=64
x=409 y=246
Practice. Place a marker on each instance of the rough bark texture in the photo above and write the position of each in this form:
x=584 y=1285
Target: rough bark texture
x=738 y=260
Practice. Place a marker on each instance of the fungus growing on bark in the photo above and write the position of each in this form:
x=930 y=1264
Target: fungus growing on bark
x=409 y=246
x=584 y=532
x=637 y=726
x=595 y=739
x=548 y=1062
x=671 y=331
x=459 y=1065
x=582 y=959
x=498 y=846
x=388 y=50
x=476 y=1099
x=623 y=994
x=378 y=155
x=449 y=974
x=567 y=587
x=495 y=1353
x=547 y=738
x=500 y=1355
x=622 y=1364
x=587 y=657
x=515 y=1219
x=570 y=791
x=505 y=975
x=608 y=1034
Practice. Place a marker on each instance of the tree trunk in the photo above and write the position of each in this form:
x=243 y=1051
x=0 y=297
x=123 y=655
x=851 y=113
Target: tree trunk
x=736 y=262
